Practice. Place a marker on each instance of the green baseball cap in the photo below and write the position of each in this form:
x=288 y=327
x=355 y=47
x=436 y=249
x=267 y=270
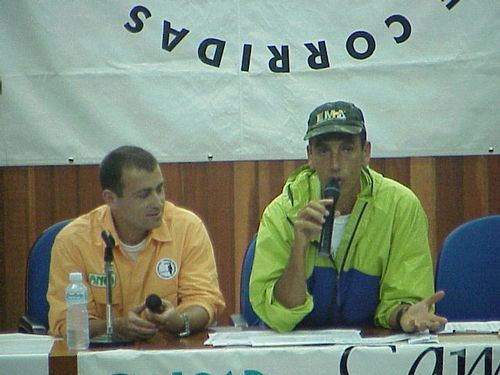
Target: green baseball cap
x=335 y=117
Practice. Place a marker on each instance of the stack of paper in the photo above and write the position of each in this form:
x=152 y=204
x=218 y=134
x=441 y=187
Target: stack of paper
x=472 y=327
x=309 y=337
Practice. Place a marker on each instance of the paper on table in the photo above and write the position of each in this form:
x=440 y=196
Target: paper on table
x=273 y=338
x=21 y=343
x=233 y=338
x=472 y=327
x=302 y=337
x=259 y=338
x=411 y=338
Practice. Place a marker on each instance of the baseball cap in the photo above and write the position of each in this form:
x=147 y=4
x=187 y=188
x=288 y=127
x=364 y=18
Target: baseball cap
x=335 y=117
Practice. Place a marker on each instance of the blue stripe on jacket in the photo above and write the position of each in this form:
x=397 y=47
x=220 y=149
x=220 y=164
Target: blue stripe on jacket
x=355 y=304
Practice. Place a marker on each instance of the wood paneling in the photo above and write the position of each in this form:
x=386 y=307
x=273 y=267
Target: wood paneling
x=230 y=197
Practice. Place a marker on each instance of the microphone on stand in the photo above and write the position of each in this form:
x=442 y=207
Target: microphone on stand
x=109 y=338
x=332 y=190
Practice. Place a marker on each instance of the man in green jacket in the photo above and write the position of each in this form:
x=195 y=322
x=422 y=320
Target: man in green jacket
x=379 y=269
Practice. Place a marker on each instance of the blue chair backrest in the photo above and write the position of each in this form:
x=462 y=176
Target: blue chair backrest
x=245 y=307
x=468 y=270
x=37 y=274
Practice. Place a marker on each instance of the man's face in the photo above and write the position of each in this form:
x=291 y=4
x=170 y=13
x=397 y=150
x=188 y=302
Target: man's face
x=340 y=157
x=140 y=208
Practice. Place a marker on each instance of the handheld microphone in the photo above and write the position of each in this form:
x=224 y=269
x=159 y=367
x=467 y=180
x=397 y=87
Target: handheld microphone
x=332 y=190
x=154 y=303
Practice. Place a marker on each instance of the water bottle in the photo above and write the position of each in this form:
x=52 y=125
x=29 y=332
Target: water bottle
x=77 y=316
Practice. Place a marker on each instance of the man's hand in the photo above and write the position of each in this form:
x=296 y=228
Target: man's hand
x=310 y=220
x=419 y=316
x=132 y=325
x=169 y=320
x=290 y=290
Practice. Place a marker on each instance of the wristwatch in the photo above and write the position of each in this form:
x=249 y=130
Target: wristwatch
x=399 y=315
x=187 y=328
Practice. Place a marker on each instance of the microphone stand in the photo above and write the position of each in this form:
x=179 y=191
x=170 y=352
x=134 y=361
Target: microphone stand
x=109 y=338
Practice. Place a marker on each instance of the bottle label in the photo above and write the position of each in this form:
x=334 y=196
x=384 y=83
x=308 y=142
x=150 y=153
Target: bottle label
x=76 y=297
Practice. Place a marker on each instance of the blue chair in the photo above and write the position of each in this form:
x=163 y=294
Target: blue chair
x=35 y=319
x=247 y=316
x=468 y=270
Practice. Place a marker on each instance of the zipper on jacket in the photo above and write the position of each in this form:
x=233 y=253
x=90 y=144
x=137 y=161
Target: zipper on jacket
x=339 y=271
x=367 y=171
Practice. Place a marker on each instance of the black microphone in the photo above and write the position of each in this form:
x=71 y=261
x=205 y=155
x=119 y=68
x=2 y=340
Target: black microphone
x=332 y=190
x=110 y=244
x=154 y=303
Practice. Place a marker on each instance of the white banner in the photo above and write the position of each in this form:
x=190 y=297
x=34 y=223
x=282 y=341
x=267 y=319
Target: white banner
x=236 y=80
x=471 y=359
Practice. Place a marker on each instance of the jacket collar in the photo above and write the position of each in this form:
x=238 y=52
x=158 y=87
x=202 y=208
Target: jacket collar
x=162 y=233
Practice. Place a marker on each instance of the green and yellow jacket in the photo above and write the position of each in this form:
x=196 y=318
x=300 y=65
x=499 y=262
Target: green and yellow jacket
x=383 y=259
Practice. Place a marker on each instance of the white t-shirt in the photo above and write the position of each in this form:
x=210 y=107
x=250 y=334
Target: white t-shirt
x=338 y=230
x=133 y=250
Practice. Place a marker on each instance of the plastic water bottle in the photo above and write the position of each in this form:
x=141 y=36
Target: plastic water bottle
x=77 y=316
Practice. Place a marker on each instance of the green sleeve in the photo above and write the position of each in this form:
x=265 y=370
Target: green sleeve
x=274 y=241
x=408 y=276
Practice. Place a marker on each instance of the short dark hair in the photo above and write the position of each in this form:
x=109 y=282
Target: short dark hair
x=113 y=164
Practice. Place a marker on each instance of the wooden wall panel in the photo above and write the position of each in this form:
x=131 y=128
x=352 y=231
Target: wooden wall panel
x=230 y=197
x=449 y=195
x=493 y=166
x=15 y=194
x=219 y=219
x=65 y=185
x=423 y=183
x=246 y=217
x=88 y=189
x=42 y=200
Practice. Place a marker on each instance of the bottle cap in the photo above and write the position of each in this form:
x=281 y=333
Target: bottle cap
x=75 y=277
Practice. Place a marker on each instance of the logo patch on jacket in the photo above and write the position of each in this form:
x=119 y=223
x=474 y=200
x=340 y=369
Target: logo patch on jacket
x=99 y=280
x=166 y=268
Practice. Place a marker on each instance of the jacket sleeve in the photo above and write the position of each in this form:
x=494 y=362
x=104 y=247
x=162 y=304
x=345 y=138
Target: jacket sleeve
x=198 y=278
x=274 y=241
x=65 y=258
x=408 y=276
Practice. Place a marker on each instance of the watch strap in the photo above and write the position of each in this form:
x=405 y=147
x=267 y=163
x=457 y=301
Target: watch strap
x=186 y=331
x=399 y=315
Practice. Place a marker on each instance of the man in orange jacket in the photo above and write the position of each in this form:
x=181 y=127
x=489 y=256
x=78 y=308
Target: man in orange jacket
x=160 y=248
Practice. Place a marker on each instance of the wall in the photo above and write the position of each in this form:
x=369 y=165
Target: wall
x=230 y=197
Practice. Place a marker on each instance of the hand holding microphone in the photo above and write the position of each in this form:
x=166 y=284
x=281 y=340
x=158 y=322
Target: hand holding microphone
x=164 y=315
x=317 y=214
x=291 y=288
x=155 y=304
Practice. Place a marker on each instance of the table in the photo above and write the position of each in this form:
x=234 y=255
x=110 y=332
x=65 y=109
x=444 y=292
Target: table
x=455 y=354
x=64 y=361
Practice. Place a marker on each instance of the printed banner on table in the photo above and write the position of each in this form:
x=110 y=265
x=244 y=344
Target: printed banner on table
x=451 y=359
x=236 y=80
